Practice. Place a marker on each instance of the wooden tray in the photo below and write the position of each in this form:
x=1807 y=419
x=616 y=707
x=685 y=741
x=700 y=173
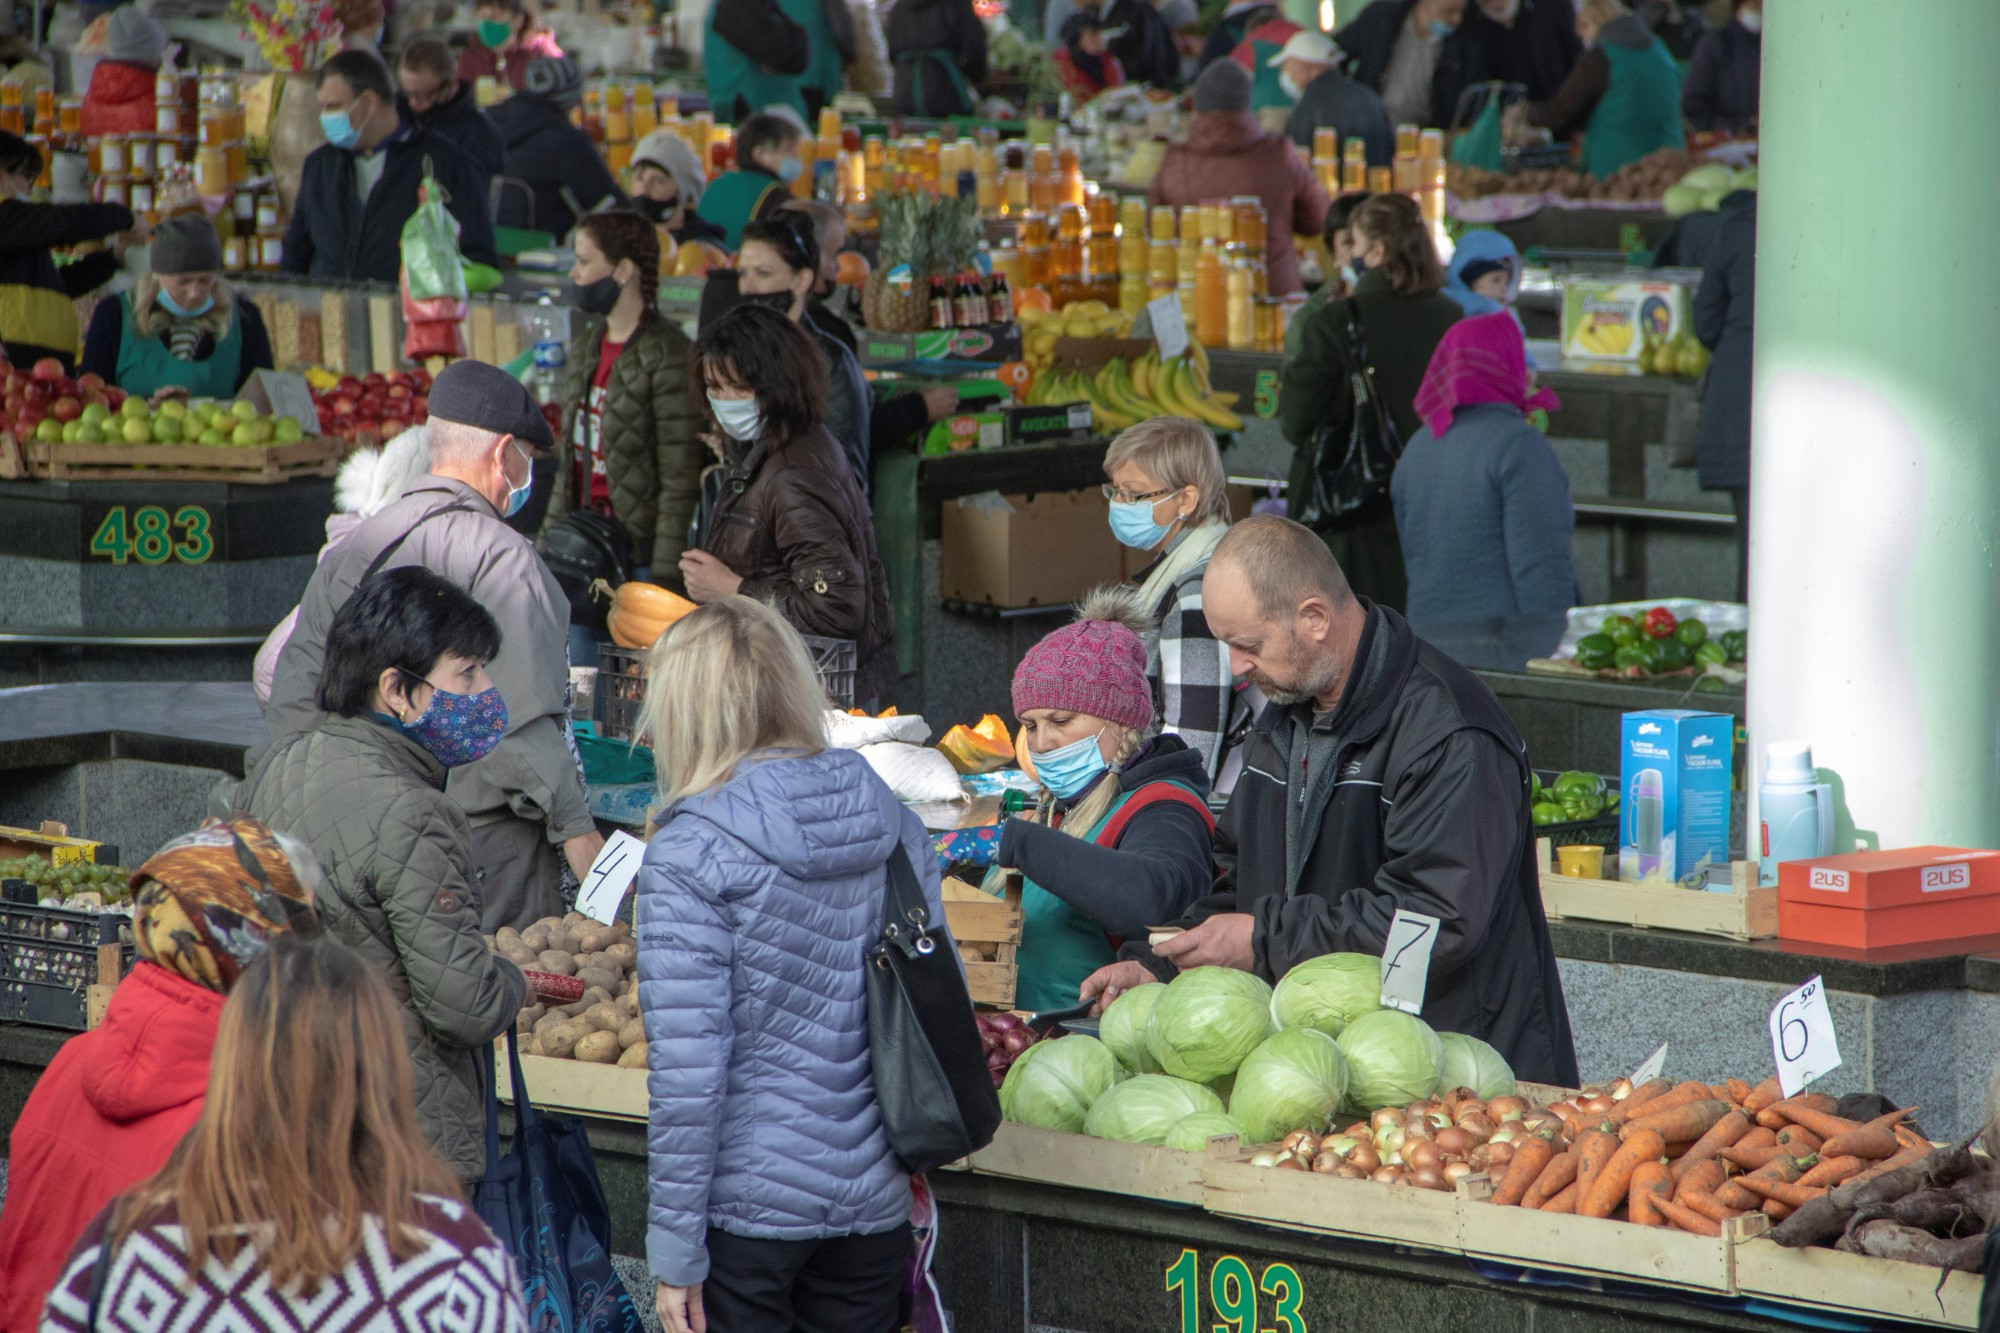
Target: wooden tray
x=1077 y=1161
x=1746 y=912
x=605 y=1091
x=320 y=456
x=1356 y=1209
x=989 y=927
x=1856 y=1284
x=1593 y=1246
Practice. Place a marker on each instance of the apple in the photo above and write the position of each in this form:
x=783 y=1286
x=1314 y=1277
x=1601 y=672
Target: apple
x=396 y=392
x=72 y=431
x=49 y=431
x=48 y=368
x=138 y=430
x=289 y=431
x=244 y=434
x=167 y=430
x=349 y=386
x=343 y=406
x=90 y=432
x=95 y=398
x=173 y=407
x=114 y=395
x=40 y=391
x=374 y=379
x=66 y=408
x=90 y=379
x=96 y=413
x=134 y=409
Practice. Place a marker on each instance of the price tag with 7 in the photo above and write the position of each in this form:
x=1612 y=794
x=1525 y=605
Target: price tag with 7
x=1406 y=960
x=1802 y=1040
x=610 y=875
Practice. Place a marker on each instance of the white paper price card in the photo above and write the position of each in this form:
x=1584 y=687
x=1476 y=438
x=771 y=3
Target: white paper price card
x=1802 y=1040
x=1650 y=1068
x=1169 y=326
x=1406 y=961
x=610 y=875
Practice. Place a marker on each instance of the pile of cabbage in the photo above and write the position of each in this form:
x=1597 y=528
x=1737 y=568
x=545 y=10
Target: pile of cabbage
x=1705 y=188
x=1217 y=1051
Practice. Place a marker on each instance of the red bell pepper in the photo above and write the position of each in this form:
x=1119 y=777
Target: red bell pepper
x=1659 y=623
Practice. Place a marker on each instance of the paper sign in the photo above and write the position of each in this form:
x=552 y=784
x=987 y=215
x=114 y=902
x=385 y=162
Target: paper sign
x=1650 y=1068
x=1169 y=326
x=1406 y=961
x=610 y=875
x=1802 y=1040
x=284 y=393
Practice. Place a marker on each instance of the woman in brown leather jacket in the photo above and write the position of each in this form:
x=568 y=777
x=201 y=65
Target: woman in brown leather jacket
x=789 y=525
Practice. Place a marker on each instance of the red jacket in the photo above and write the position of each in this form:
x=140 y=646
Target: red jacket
x=1226 y=154
x=120 y=99
x=480 y=59
x=103 y=1117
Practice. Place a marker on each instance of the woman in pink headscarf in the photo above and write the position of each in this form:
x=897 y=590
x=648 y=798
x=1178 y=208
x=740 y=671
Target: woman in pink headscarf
x=1482 y=501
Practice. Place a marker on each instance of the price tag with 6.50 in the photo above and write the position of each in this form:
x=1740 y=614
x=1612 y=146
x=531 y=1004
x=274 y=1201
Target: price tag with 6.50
x=1802 y=1040
x=1406 y=960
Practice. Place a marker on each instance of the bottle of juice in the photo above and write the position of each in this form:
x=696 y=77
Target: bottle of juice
x=1354 y=166
x=1163 y=224
x=1162 y=267
x=1211 y=296
x=1241 y=318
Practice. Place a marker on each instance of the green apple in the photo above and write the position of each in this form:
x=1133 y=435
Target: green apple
x=214 y=435
x=92 y=432
x=289 y=431
x=265 y=428
x=96 y=414
x=245 y=434
x=134 y=409
x=166 y=430
x=138 y=431
x=72 y=431
x=245 y=410
x=174 y=408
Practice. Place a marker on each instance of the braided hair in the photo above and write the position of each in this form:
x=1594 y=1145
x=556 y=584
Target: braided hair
x=622 y=234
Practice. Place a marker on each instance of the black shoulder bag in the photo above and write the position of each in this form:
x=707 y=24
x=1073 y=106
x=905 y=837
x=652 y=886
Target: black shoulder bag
x=938 y=1102
x=581 y=549
x=1350 y=476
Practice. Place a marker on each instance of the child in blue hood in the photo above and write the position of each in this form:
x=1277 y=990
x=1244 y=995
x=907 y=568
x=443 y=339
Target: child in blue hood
x=1484 y=276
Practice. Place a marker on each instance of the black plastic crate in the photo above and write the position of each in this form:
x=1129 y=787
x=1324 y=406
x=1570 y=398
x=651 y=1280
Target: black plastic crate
x=620 y=696
x=48 y=957
x=1599 y=832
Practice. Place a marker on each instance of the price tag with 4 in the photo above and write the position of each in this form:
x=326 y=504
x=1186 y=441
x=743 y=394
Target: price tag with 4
x=1406 y=960
x=610 y=875
x=1802 y=1040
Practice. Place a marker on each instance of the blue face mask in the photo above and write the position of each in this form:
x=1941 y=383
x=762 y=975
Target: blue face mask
x=1132 y=524
x=517 y=496
x=339 y=129
x=789 y=169
x=1440 y=30
x=459 y=729
x=1068 y=769
x=176 y=309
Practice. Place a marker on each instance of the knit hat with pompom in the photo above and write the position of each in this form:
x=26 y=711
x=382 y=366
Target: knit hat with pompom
x=1095 y=666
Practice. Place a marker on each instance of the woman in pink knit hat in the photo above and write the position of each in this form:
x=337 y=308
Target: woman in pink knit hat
x=1122 y=841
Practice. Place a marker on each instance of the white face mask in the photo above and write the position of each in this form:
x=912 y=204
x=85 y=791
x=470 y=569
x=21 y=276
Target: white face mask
x=1751 y=19
x=740 y=418
x=1290 y=85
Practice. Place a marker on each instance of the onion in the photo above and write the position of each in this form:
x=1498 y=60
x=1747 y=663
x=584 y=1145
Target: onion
x=1506 y=1108
x=1302 y=1142
x=1458 y=1097
x=1289 y=1163
x=1016 y=1040
x=1349 y=1172
x=1327 y=1166
x=1455 y=1172
x=1337 y=1146
x=1006 y=1022
x=1263 y=1159
x=1455 y=1141
x=1360 y=1129
x=1389 y=1140
x=1620 y=1090
x=1428 y=1180
x=1417 y=1129
x=1508 y=1133
x=1423 y=1157
x=1480 y=1158
x=1498 y=1154
x=1598 y=1106
x=1388 y=1115
x=997 y=1060
x=1388 y=1175
x=1477 y=1125
x=1365 y=1156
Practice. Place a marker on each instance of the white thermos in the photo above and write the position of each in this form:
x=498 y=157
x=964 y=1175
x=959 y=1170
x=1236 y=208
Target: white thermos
x=1794 y=809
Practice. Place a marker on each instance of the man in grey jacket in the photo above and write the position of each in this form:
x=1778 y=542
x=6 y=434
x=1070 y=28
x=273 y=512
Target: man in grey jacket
x=525 y=799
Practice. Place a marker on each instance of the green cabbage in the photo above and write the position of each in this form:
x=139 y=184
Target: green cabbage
x=1328 y=992
x=1123 y=1028
x=1294 y=1080
x=1143 y=1108
x=1054 y=1083
x=1470 y=1063
x=1191 y=1133
x=1392 y=1059
x=1207 y=1021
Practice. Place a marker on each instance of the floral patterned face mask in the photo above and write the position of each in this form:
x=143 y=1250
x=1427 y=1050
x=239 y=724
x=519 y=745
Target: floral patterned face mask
x=460 y=729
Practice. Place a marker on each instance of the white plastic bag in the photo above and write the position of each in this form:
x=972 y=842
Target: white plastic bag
x=844 y=731
x=915 y=773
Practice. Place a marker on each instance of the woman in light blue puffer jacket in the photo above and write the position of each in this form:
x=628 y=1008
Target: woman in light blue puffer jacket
x=775 y=1202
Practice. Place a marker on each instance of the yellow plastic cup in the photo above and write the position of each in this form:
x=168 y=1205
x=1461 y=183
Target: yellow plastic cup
x=1581 y=862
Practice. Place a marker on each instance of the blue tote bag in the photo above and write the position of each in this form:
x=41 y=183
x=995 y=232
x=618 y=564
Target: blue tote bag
x=545 y=1203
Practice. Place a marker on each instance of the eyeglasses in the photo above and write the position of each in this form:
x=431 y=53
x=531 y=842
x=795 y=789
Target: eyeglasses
x=1116 y=496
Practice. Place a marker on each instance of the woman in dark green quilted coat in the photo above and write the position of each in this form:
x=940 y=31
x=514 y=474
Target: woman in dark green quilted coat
x=406 y=697
x=627 y=446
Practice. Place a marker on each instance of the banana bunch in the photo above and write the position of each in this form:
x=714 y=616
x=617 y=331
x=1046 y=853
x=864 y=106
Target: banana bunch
x=1604 y=337
x=1123 y=394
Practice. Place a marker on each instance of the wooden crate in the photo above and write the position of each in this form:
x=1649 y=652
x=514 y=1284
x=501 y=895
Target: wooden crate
x=1596 y=1247
x=1356 y=1209
x=1077 y=1161
x=578 y=1086
x=1856 y=1285
x=261 y=464
x=987 y=931
x=1746 y=912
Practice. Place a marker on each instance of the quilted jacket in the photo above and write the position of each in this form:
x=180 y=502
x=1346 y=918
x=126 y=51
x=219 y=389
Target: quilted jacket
x=651 y=456
x=396 y=850
x=756 y=902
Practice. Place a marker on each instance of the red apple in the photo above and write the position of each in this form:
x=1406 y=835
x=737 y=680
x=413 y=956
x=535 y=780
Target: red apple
x=48 y=368
x=91 y=396
x=114 y=396
x=348 y=385
x=374 y=379
x=66 y=408
x=420 y=408
x=395 y=391
x=41 y=390
x=90 y=379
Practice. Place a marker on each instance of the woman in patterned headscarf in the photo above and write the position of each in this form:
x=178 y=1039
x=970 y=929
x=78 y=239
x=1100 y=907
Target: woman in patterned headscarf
x=115 y=1101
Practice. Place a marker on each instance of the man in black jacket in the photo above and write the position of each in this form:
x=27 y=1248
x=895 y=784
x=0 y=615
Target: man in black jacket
x=437 y=99
x=1529 y=42
x=360 y=187
x=1383 y=776
x=1416 y=54
x=554 y=172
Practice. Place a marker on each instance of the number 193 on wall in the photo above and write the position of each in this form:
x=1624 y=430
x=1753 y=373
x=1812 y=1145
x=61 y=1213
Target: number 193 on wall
x=1235 y=1296
x=152 y=536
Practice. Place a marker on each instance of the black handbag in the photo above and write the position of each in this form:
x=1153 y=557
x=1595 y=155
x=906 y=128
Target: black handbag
x=584 y=547
x=938 y=1102
x=1349 y=477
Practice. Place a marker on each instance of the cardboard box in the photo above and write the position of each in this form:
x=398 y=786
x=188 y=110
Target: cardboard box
x=1674 y=781
x=53 y=844
x=1912 y=895
x=991 y=342
x=1018 y=551
x=1616 y=320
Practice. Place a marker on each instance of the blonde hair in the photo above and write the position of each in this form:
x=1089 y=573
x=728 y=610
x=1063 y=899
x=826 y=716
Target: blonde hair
x=727 y=681
x=151 y=320
x=1119 y=603
x=1177 y=452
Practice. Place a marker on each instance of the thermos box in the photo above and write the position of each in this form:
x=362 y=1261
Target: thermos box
x=1674 y=786
x=1913 y=895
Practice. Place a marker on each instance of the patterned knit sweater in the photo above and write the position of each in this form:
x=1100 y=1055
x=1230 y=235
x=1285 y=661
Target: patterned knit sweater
x=462 y=1279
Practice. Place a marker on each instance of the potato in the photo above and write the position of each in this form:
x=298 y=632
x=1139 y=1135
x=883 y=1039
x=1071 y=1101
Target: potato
x=629 y=1001
x=490 y=941
x=634 y=1057
x=571 y=920
x=595 y=938
x=630 y=987
x=598 y=1048
x=549 y=1019
x=559 y=961
x=536 y=937
x=626 y=952
x=605 y=1017
x=564 y=941
x=632 y=1033
x=599 y=978
x=572 y=1010
x=520 y=955
x=597 y=995
x=533 y=1011
x=558 y=1041
x=532 y=1047
x=505 y=935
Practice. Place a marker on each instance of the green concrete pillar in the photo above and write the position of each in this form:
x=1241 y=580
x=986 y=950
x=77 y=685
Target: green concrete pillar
x=1875 y=602
x=1308 y=13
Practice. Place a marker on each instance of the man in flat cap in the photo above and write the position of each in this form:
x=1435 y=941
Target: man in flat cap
x=525 y=800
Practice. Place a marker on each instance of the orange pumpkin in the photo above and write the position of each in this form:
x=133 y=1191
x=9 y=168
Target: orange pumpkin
x=978 y=749
x=853 y=269
x=642 y=612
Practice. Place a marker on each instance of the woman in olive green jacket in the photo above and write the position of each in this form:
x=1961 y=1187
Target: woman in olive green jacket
x=627 y=444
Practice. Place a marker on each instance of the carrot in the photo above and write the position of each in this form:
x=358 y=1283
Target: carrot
x=1678 y=1095
x=1737 y=1195
x=1763 y=1095
x=1701 y=1178
x=1688 y=1121
x=1800 y=1138
x=1687 y=1219
x=1557 y=1176
x=1648 y=1091
x=1724 y=1133
x=1593 y=1150
x=1829 y=1171
x=1786 y=1192
x=1650 y=1181
x=1614 y=1182
x=1711 y=1207
x=1737 y=1091
x=1749 y=1159
x=1758 y=1137
x=1814 y=1111
x=1776 y=1211
x=1530 y=1159
x=1564 y=1201
x=1909 y=1138
x=1896 y=1163
x=1874 y=1140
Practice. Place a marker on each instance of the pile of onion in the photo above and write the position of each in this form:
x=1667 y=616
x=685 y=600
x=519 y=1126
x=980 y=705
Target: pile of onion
x=1004 y=1036
x=1428 y=1145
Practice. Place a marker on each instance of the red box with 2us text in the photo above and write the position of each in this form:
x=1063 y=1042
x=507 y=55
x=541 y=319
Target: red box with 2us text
x=1911 y=895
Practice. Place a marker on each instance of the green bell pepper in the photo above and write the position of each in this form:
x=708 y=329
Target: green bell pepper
x=1574 y=783
x=1736 y=643
x=1579 y=807
x=1691 y=633
x=1548 y=812
x=1710 y=654
x=1674 y=655
x=1595 y=652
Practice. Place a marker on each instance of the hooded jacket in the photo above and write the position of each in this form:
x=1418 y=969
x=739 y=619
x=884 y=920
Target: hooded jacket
x=332 y=234
x=1479 y=246
x=102 y=1117
x=1722 y=80
x=921 y=34
x=1411 y=793
x=1228 y=153
x=470 y=130
x=756 y=902
x=120 y=100
x=547 y=155
x=1725 y=319
x=370 y=803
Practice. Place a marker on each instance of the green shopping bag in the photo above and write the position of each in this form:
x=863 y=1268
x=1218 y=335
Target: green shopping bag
x=1479 y=145
x=431 y=263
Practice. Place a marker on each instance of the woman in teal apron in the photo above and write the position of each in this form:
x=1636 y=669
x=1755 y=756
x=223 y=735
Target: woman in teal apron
x=1124 y=840
x=767 y=162
x=1624 y=92
x=179 y=327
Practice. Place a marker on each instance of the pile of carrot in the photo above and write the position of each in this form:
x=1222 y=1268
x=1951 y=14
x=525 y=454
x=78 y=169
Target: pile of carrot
x=1691 y=1156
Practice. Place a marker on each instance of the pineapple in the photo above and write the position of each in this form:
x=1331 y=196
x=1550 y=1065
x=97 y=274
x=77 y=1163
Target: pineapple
x=934 y=236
